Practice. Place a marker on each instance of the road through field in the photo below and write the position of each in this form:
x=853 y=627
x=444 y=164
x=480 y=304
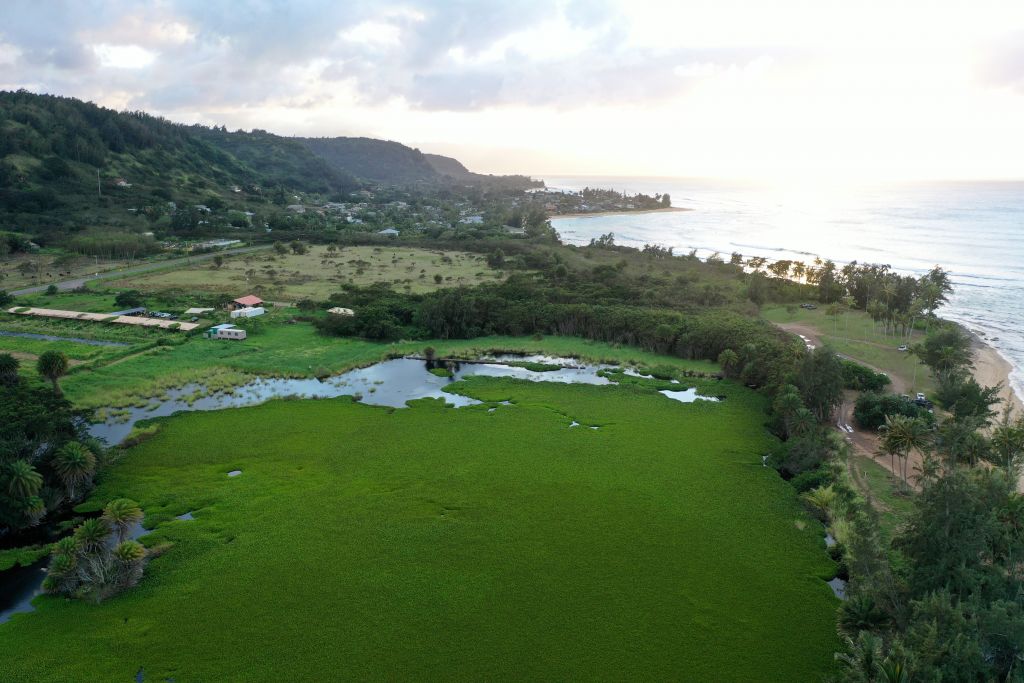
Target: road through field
x=75 y=283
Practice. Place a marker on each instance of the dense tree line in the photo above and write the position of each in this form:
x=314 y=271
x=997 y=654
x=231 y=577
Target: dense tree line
x=46 y=458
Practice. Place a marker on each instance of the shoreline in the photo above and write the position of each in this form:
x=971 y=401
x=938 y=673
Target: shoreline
x=592 y=214
x=991 y=368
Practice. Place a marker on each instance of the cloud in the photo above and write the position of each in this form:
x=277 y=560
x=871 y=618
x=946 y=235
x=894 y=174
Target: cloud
x=1004 y=63
x=456 y=55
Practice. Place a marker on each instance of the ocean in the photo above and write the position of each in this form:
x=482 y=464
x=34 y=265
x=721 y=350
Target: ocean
x=974 y=230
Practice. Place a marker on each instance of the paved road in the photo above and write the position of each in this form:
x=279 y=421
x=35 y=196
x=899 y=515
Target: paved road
x=65 y=285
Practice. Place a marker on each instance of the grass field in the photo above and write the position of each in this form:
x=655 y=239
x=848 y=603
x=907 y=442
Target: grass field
x=854 y=334
x=27 y=270
x=894 y=506
x=435 y=543
x=319 y=273
x=298 y=351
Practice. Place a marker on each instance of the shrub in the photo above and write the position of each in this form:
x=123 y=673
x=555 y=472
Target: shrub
x=872 y=408
x=860 y=378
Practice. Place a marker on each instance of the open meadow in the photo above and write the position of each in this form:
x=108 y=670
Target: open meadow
x=855 y=335
x=319 y=272
x=27 y=270
x=435 y=543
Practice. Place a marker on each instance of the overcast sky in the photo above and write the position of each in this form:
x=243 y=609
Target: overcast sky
x=776 y=90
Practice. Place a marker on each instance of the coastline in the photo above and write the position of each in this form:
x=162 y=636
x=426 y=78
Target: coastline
x=991 y=368
x=592 y=214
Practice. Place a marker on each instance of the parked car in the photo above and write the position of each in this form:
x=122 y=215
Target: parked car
x=903 y=347
x=809 y=307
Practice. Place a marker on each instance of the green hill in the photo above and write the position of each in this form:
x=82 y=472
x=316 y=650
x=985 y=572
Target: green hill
x=376 y=160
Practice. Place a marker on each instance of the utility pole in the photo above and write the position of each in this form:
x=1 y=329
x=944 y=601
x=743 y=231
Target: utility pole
x=99 y=190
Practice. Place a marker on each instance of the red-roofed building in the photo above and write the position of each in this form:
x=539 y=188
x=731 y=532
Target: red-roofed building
x=245 y=302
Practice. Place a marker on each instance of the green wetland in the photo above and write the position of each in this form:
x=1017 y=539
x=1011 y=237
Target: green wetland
x=493 y=540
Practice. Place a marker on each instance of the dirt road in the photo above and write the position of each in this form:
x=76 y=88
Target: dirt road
x=75 y=283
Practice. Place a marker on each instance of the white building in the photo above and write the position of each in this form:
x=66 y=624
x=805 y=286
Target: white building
x=248 y=312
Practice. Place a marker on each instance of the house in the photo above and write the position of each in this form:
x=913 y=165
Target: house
x=388 y=232
x=296 y=208
x=338 y=310
x=121 y=182
x=249 y=301
x=473 y=220
x=225 y=331
x=248 y=312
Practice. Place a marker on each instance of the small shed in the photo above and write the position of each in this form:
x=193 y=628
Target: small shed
x=338 y=310
x=388 y=232
x=248 y=312
x=249 y=301
x=197 y=311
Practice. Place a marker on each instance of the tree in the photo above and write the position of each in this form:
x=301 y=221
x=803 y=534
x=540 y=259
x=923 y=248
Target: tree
x=945 y=351
x=129 y=298
x=1008 y=443
x=122 y=514
x=5 y=298
x=819 y=378
x=23 y=481
x=92 y=534
x=218 y=261
x=8 y=368
x=75 y=465
x=52 y=365
x=729 y=362
x=496 y=259
x=51 y=290
x=281 y=248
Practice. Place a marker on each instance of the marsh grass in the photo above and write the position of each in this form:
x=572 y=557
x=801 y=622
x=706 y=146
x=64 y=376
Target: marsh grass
x=440 y=543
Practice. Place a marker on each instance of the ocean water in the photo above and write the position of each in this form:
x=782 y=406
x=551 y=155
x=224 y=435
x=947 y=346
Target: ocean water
x=974 y=230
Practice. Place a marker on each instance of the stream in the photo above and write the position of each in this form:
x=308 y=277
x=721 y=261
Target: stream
x=388 y=383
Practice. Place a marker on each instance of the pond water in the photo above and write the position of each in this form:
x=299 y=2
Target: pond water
x=20 y=585
x=389 y=383
x=50 y=337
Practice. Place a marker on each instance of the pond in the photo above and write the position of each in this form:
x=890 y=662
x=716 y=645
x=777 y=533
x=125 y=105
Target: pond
x=19 y=586
x=389 y=383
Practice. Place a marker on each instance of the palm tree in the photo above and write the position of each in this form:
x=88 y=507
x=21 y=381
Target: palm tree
x=892 y=671
x=129 y=552
x=802 y=421
x=862 y=656
x=34 y=510
x=859 y=613
x=8 y=368
x=122 y=514
x=92 y=534
x=729 y=360
x=75 y=464
x=23 y=481
x=821 y=499
x=903 y=435
x=52 y=365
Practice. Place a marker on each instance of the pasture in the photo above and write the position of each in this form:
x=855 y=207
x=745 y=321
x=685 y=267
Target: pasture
x=319 y=273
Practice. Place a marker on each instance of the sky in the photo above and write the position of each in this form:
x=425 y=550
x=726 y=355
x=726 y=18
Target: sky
x=790 y=90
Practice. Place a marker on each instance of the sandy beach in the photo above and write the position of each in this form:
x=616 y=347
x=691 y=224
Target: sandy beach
x=990 y=368
x=592 y=214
